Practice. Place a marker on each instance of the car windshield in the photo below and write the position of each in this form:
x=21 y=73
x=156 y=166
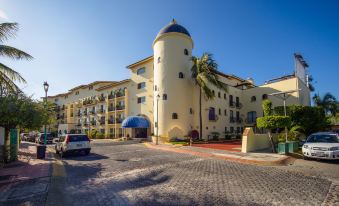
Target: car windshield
x=78 y=138
x=43 y=135
x=325 y=138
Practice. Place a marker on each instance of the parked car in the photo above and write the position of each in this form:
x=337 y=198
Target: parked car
x=321 y=145
x=24 y=136
x=73 y=143
x=31 y=137
x=41 y=136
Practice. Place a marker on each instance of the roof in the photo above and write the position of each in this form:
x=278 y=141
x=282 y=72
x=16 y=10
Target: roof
x=140 y=62
x=135 y=122
x=290 y=76
x=173 y=26
x=113 y=84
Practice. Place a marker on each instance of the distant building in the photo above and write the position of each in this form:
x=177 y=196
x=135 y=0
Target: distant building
x=103 y=105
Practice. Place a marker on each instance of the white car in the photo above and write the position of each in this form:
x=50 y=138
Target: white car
x=321 y=145
x=72 y=143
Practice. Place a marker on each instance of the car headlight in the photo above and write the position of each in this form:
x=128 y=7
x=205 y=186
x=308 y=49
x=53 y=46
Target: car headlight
x=334 y=148
x=305 y=146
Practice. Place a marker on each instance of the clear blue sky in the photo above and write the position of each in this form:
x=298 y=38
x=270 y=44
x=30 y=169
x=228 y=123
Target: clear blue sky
x=80 y=41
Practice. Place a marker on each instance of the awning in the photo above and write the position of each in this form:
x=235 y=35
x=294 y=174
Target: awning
x=135 y=122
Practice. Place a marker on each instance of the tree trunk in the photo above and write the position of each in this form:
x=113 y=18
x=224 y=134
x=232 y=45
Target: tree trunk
x=271 y=140
x=7 y=150
x=200 y=115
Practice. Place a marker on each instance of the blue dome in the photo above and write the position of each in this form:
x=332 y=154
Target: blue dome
x=173 y=27
x=135 y=122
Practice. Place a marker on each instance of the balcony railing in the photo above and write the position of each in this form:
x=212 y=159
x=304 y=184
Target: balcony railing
x=101 y=111
x=101 y=98
x=110 y=96
x=250 y=121
x=79 y=114
x=93 y=123
x=111 y=121
x=85 y=124
x=110 y=109
x=120 y=107
x=232 y=120
x=78 y=125
x=92 y=112
x=238 y=120
x=85 y=112
x=238 y=105
x=118 y=120
x=232 y=104
x=102 y=122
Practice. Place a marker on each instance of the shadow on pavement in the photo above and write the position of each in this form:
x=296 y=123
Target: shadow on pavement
x=82 y=157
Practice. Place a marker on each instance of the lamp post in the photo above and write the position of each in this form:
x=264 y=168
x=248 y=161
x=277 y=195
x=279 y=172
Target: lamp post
x=157 y=137
x=284 y=96
x=46 y=90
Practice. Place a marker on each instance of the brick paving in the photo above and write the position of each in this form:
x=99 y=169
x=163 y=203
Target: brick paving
x=136 y=175
x=234 y=146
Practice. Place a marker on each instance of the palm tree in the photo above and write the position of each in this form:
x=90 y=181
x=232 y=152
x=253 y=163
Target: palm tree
x=7 y=75
x=328 y=103
x=204 y=74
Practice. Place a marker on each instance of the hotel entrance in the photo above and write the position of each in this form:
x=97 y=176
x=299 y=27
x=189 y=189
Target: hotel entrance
x=140 y=126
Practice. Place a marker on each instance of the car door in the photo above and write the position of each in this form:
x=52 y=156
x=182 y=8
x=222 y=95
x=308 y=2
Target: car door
x=59 y=143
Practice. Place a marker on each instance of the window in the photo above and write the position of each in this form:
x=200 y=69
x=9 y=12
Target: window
x=264 y=96
x=155 y=88
x=211 y=114
x=219 y=111
x=159 y=60
x=253 y=99
x=186 y=52
x=231 y=129
x=213 y=92
x=191 y=111
x=164 y=97
x=238 y=130
x=141 y=100
x=77 y=93
x=174 y=116
x=231 y=113
x=225 y=96
x=141 y=71
x=219 y=95
x=231 y=99
x=181 y=75
x=141 y=85
x=226 y=129
x=251 y=117
x=206 y=128
x=225 y=112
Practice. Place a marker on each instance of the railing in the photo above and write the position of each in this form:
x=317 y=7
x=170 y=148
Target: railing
x=93 y=123
x=111 y=121
x=119 y=120
x=250 y=121
x=238 y=105
x=120 y=94
x=79 y=114
x=101 y=98
x=92 y=112
x=110 y=109
x=85 y=124
x=102 y=122
x=232 y=104
x=101 y=111
x=239 y=120
x=78 y=125
x=120 y=107
x=110 y=96
x=232 y=119
x=85 y=112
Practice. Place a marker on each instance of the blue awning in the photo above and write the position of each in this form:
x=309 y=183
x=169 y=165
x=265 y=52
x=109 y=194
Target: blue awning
x=135 y=122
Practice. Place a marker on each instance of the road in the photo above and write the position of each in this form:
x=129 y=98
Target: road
x=132 y=174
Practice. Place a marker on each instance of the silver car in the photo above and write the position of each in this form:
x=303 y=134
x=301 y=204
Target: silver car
x=321 y=145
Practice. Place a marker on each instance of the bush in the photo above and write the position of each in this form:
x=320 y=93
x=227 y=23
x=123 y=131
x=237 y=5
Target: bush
x=100 y=135
x=215 y=135
x=273 y=122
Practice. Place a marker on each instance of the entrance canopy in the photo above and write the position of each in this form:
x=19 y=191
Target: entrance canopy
x=135 y=122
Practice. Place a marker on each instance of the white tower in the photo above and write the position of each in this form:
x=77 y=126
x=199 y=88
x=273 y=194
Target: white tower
x=172 y=81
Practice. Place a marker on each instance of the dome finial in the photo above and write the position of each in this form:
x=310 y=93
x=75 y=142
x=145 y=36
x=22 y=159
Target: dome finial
x=173 y=21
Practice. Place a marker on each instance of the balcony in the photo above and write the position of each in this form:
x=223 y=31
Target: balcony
x=232 y=120
x=111 y=109
x=101 y=111
x=238 y=105
x=78 y=125
x=120 y=94
x=111 y=121
x=232 y=104
x=120 y=107
x=119 y=120
x=102 y=122
x=101 y=98
x=85 y=112
x=93 y=123
x=92 y=112
x=238 y=120
x=85 y=124
x=88 y=102
x=110 y=96
x=250 y=121
x=79 y=114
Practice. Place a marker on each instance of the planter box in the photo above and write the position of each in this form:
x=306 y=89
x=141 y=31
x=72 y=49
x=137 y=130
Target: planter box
x=292 y=146
x=282 y=148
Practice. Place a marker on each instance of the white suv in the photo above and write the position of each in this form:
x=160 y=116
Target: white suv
x=72 y=143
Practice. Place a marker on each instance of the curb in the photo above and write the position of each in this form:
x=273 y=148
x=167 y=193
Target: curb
x=280 y=162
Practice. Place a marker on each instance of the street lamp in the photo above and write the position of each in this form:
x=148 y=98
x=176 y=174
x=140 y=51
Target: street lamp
x=284 y=96
x=157 y=137
x=46 y=90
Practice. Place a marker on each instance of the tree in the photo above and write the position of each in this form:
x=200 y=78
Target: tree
x=270 y=122
x=329 y=103
x=204 y=74
x=308 y=119
x=7 y=75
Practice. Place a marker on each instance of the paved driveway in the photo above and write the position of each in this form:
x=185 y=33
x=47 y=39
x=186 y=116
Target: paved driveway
x=131 y=174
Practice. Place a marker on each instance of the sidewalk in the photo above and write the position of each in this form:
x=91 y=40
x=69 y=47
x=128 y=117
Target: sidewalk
x=267 y=159
x=25 y=181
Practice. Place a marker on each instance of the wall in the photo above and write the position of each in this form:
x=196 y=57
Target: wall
x=253 y=142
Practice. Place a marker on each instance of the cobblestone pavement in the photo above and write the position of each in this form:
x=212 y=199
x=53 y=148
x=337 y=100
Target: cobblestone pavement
x=131 y=174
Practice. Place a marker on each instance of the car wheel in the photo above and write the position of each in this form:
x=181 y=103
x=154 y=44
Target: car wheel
x=305 y=157
x=86 y=152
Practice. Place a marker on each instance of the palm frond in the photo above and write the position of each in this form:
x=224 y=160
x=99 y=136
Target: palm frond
x=13 y=53
x=8 y=84
x=11 y=74
x=7 y=30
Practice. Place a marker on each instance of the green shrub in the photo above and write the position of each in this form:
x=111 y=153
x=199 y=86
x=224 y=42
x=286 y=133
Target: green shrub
x=273 y=122
x=215 y=135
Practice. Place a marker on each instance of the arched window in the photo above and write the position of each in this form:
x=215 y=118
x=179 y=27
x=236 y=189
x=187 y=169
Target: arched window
x=264 y=96
x=181 y=75
x=174 y=116
x=253 y=99
x=159 y=60
x=186 y=52
x=164 y=97
x=219 y=95
x=211 y=114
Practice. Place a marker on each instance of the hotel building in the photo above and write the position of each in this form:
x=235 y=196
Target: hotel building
x=161 y=94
